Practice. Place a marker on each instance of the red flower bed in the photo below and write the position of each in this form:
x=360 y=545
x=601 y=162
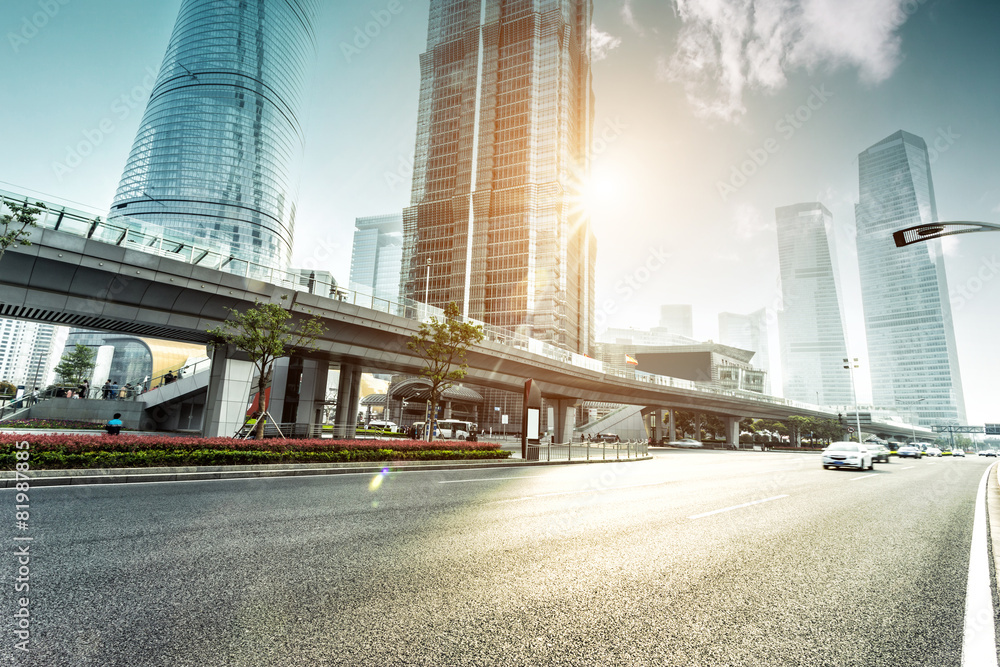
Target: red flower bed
x=76 y=443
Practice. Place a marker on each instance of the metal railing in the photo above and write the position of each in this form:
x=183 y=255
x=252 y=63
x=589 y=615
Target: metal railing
x=589 y=451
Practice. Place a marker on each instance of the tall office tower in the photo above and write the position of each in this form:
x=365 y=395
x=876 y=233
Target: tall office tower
x=811 y=324
x=377 y=256
x=505 y=124
x=678 y=319
x=28 y=352
x=911 y=336
x=749 y=332
x=217 y=152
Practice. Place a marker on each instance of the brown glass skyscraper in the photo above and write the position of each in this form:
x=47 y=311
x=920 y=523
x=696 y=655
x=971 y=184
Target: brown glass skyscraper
x=503 y=133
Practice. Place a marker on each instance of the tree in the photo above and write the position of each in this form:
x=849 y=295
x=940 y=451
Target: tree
x=266 y=333
x=443 y=344
x=14 y=227
x=7 y=390
x=76 y=365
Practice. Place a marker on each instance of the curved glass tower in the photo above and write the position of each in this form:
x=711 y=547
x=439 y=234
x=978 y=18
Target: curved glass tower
x=217 y=153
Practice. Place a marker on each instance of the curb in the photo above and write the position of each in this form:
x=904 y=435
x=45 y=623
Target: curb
x=203 y=473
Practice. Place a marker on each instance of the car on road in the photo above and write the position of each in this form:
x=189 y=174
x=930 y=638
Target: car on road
x=909 y=451
x=880 y=453
x=932 y=451
x=987 y=452
x=685 y=442
x=847 y=455
x=958 y=452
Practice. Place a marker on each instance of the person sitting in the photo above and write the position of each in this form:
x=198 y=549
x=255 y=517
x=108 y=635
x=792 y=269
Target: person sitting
x=114 y=425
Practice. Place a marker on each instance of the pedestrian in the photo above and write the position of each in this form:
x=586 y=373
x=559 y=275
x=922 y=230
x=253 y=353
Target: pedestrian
x=114 y=425
x=106 y=390
x=33 y=398
x=113 y=391
x=83 y=391
x=125 y=391
x=168 y=378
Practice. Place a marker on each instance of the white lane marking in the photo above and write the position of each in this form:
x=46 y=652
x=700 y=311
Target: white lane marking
x=868 y=476
x=573 y=493
x=908 y=468
x=979 y=648
x=736 y=507
x=487 y=479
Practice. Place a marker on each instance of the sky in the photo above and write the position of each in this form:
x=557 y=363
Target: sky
x=709 y=115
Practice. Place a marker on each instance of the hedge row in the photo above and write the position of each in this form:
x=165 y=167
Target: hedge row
x=49 y=460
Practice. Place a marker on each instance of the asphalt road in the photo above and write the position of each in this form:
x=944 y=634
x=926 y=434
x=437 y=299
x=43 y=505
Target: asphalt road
x=694 y=558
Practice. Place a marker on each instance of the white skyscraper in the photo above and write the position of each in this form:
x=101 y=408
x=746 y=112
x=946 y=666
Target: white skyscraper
x=811 y=325
x=678 y=319
x=377 y=256
x=911 y=337
x=29 y=351
x=749 y=332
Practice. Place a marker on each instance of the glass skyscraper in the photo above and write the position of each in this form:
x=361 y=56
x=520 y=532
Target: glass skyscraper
x=811 y=323
x=911 y=337
x=217 y=152
x=749 y=332
x=503 y=134
x=377 y=256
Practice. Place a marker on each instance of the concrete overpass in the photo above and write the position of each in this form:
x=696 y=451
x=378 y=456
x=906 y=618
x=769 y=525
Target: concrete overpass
x=100 y=276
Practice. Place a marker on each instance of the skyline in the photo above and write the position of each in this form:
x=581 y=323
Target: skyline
x=687 y=175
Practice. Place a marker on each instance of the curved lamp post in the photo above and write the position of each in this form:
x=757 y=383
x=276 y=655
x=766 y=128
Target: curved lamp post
x=935 y=230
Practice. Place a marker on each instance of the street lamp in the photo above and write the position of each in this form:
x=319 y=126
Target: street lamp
x=935 y=230
x=850 y=366
x=913 y=415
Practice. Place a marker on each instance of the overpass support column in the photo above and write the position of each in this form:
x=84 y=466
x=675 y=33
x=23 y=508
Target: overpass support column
x=312 y=394
x=658 y=426
x=564 y=410
x=671 y=426
x=230 y=384
x=733 y=432
x=348 y=396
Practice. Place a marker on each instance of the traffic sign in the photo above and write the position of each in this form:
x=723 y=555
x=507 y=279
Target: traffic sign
x=993 y=429
x=850 y=429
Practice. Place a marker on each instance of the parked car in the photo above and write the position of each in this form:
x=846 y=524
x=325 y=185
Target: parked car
x=685 y=442
x=880 y=453
x=909 y=451
x=847 y=455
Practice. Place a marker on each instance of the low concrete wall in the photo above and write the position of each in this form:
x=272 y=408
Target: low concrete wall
x=88 y=410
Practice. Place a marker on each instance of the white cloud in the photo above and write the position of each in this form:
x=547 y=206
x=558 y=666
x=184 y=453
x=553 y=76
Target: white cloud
x=601 y=44
x=750 y=222
x=727 y=47
x=628 y=16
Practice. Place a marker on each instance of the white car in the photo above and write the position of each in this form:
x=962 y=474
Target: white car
x=847 y=455
x=686 y=442
x=909 y=451
x=958 y=452
x=932 y=451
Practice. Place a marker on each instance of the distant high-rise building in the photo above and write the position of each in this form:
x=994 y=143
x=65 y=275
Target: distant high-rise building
x=216 y=154
x=911 y=336
x=29 y=352
x=749 y=332
x=811 y=324
x=377 y=257
x=321 y=283
x=655 y=336
x=678 y=319
x=503 y=134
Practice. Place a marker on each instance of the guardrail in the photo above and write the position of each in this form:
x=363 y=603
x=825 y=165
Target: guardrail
x=589 y=451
